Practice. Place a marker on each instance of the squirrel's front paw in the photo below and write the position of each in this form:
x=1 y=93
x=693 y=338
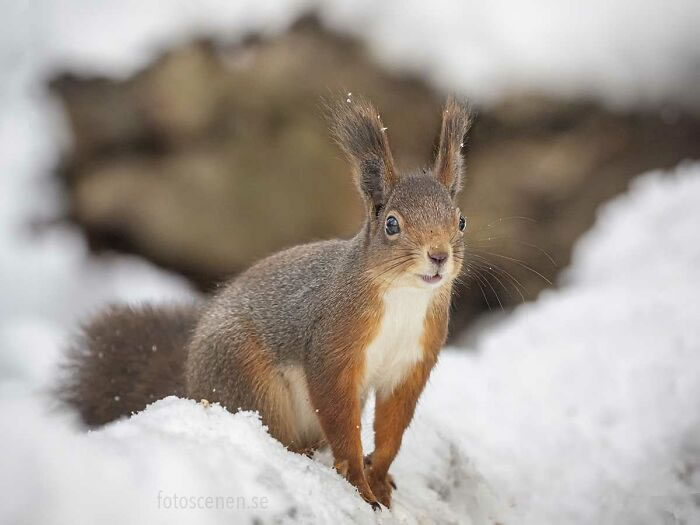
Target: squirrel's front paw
x=381 y=484
x=382 y=487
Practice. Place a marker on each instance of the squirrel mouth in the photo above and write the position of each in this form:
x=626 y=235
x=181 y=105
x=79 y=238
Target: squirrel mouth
x=432 y=279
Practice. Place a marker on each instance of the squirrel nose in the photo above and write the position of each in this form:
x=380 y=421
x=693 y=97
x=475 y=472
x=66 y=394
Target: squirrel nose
x=437 y=257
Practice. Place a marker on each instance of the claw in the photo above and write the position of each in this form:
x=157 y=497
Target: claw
x=342 y=468
x=375 y=506
x=390 y=480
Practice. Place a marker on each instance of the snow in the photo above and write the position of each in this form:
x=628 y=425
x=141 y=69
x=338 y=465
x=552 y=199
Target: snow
x=582 y=407
x=621 y=52
x=579 y=408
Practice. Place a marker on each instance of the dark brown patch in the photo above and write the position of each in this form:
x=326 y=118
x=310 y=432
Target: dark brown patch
x=456 y=121
x=124 y=359
x=358 y=129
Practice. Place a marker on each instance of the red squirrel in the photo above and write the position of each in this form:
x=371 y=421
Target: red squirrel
x=305 y=335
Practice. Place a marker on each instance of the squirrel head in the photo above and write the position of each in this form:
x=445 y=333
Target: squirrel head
x=414 y=225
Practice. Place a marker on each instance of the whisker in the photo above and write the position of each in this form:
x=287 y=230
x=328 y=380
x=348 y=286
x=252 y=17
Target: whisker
x=478 y=281
x=493 y=290
x=529 y=245
x=495 y=276
x=393 y=264
x=391 y=268
x=513 y=218
x=519 y=262
x=516 y=283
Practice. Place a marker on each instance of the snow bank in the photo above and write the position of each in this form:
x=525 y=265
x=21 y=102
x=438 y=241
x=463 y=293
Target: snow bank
x=580 y=408
x=179 y=462
x=583 y=407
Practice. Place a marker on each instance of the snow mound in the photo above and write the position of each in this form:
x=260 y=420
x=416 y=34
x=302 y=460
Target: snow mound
x=579 y=408
x=583 y=406
x=179 y=462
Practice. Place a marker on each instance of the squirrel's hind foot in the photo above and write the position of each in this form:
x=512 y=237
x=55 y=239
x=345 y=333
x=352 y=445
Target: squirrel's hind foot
x=309 y=450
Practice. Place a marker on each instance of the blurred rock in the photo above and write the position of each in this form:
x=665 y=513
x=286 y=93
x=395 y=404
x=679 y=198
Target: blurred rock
x=215 y=156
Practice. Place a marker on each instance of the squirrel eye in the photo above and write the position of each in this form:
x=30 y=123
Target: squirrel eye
x=462 y=223
x=392 y=225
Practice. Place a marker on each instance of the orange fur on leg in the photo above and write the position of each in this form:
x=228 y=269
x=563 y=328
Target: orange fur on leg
x=339 y=408
x=392 y=415
x=394 y=412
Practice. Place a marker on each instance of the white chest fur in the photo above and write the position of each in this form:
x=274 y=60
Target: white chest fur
x=396 y=348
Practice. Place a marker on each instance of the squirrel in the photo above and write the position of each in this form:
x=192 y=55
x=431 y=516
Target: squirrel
x=304 y=335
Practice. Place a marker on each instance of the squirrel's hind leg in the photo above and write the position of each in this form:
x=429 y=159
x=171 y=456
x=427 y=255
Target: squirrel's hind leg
x=242 y=373
x=309 y=450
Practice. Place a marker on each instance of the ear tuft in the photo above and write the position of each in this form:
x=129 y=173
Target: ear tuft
x=449 y=163
x=358 y=130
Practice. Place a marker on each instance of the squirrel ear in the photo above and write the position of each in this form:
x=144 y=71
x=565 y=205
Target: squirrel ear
x=449 y=165
x=359 y=131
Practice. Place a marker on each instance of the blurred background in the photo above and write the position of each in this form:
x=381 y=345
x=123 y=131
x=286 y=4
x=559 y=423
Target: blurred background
x=150 y=149
x=137 y=137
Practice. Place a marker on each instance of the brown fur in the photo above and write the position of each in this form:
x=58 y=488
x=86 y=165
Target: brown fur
x=253 y=365
x=335 y=389
x=305 y=334
x=456 y=122
x=126 y=358
x=359 y=131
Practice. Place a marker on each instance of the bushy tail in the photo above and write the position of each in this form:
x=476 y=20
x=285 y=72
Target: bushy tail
x=126 y=358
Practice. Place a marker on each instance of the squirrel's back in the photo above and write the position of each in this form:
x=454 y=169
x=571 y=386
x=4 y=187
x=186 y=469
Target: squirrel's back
x=126 y=358
x=283 y=293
